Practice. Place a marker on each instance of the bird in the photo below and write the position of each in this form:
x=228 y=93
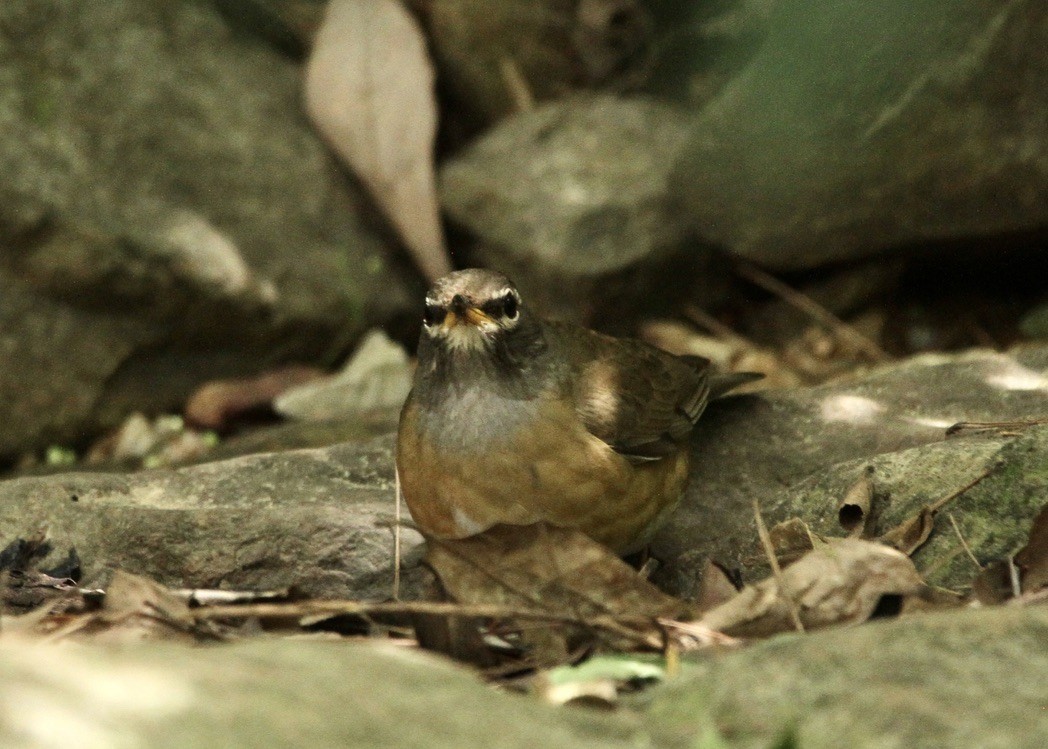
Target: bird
x=514 y=420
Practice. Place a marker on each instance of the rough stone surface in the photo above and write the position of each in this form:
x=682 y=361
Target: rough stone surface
x=274 y=693
x=572 y=200
x=957 y=679
x=876 y=127
x=797 y=452
x=492 y=56
x=316 y=519
x=313 y=517
x=166 y=216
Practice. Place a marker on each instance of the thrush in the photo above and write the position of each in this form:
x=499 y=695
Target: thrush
x=513 y=419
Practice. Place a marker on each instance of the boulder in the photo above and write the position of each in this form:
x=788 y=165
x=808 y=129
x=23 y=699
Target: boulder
x=972 y=678
x=572 y=200
x=274 y=693
x=166 y=217
x=318 y=520
x=869 y=128
x=797 y=452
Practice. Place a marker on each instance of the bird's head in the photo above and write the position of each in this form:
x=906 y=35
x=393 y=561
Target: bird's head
x=472 y=311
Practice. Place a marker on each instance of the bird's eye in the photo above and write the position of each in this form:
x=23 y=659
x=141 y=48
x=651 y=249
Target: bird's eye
x=434 y=314
x=510 y=306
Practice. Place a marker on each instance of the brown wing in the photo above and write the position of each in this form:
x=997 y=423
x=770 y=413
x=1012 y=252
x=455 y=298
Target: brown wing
x=641 y=401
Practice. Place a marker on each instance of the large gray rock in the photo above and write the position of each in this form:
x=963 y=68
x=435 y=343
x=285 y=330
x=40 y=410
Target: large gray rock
x=166 y=216
x=573 y=201
x=797 y=452
x=314 y=519
x=957 y=679
x=274 y=693
x=869 y=127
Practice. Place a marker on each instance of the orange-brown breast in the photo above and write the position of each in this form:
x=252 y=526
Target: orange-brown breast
x=555 y=471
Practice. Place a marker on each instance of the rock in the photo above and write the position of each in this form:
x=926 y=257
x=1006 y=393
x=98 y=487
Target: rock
x=315 y=519
x=497 y=58
x=166 y=217
x=873 y=129
x=797 y=452
x=971 y=678
x=376 y=378
x=572 y=200
x=274 y=693
x=1035 y=322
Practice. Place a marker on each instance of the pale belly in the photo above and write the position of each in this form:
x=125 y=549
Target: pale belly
x=560 y=474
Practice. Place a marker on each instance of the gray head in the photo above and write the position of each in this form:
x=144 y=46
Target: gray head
x=476 y=317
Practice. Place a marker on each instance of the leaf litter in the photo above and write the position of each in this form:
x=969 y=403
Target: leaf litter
x=540 y=608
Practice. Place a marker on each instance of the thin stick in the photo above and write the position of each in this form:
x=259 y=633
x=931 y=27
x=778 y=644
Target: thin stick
x=396 y=540
x=940 y=503
x=988 y=425
x=769 y=549
x=812 y=308
x=701 y=317
x=516 y=85
x=637 y=628
x=1013 y=577
x=967 y=548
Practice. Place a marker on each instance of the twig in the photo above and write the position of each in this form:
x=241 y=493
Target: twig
x=812 y=308
x=636 y=628
x=396 y=538
x=769 y=549
x=701 y=317
x=960 y=537
x=1013 y=577
x=982 y=426
x=516 y=85
x=940 y=503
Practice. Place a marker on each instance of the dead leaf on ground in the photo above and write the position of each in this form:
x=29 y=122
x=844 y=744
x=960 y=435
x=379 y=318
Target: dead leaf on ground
x=792 y=539
x=369 y=91
x=716 y=587
x=842 y=582
x=215 y=405
x=1024 y=575
x=910 y=534
x=558 y=571
x=1033 y=559
x=853 y=512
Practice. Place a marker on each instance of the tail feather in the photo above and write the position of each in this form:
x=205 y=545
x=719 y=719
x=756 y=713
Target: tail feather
x=722 y=384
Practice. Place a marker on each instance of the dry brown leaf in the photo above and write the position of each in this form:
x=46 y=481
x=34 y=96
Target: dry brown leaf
x=214 y=405
x=993 y=585
x=792 y=539
x=137 y=608
x=369 y=91
x=1023 y=575
x=559 y=571
x=1033 y=559
x=853 y=512
x=839 y=583
x=716 y=587
x=910 y=534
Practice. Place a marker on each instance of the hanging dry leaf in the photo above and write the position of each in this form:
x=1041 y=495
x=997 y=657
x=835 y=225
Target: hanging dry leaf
x=842 y=582
x=369 y=91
